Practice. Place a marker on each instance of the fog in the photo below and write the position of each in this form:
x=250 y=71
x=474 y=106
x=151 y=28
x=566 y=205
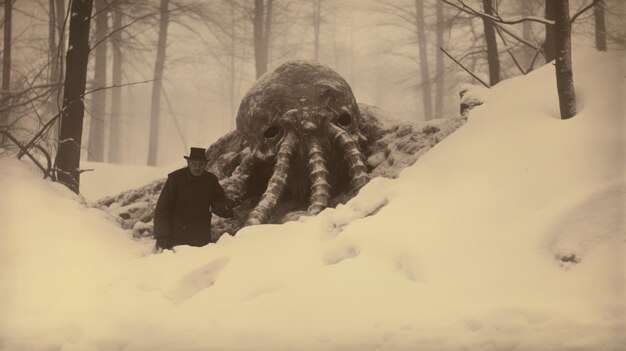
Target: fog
x=371 y=43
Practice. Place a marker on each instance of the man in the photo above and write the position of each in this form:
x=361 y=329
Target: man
x=183 y=211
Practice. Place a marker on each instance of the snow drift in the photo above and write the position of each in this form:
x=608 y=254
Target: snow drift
x=509 y=234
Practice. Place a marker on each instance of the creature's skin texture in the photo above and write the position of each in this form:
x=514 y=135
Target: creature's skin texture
x=302 y=144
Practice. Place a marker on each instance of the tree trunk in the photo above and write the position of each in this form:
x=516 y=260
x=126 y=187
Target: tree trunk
x=5 y=97
x=68 y=155
x=439 y=83
x=564 y=75
x=52 y=42
x=261 y=63
x=60 y=13
x=115 y=132
x=262 y=29
x=549 y=48
x=231 y=93
x=527 y=32
x=421 y=41
x=600 y=20
x=317 y=7
x=267 y=32
x=159 y=67
x=492 y=46
x=98 y=98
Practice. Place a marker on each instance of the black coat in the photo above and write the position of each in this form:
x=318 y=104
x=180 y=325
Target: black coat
x=183 y=211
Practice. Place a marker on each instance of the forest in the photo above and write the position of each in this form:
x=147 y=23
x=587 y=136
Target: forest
x=139 y=82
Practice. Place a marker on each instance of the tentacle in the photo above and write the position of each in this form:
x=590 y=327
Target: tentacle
x=276 y=184
x=318 y=173
x=234 y=186
x=356 y=167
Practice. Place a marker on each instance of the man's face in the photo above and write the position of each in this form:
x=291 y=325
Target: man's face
x=196 y=166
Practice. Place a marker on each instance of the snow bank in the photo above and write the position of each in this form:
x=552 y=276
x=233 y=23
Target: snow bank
x=509 y=234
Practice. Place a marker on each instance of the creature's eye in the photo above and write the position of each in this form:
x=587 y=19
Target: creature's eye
x=344 y=119
x=270 y=132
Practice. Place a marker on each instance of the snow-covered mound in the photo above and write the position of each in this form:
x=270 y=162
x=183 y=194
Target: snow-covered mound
x=509 y=234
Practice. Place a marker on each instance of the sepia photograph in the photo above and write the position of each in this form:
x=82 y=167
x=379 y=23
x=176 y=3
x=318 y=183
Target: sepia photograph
x=313 y=175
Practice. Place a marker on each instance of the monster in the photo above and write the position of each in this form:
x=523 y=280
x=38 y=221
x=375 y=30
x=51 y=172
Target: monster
x=302 y=144
x=302 y=120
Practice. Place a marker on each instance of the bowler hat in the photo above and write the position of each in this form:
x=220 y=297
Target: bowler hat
x=196 y=154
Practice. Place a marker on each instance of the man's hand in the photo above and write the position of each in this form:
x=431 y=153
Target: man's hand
x=224 y=208
x=163 y=243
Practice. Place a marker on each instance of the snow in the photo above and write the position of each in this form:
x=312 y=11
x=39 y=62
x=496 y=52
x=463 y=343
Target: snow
x=467 y=249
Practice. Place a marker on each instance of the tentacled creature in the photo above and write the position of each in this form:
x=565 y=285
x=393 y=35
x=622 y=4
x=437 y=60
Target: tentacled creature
x=301 y=144
x=303 y=120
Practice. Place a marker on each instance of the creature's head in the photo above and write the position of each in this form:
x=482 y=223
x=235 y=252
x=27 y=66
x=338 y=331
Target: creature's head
x=303 y=120
x=299 y=97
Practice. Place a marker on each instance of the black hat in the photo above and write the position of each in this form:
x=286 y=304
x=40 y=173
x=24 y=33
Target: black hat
x=196 y=154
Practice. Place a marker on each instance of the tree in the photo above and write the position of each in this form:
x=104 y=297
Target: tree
x=317 y=22
x=157 y=86
x=549 y=48
x=424 y=70
x=5 y=97
x=439 y=68
x=492 y=46
x=600 y=21
x=70 y=135
x=115 y=130
x=561 y=27
x=564 y=75
x=52 y=41
x=262 y=24
x=58 y=59
x=98 y=99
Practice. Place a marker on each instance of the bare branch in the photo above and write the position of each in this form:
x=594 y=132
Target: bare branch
x=509 y=50
x=117 y=86
x=464 y=68
x=583 y=10
x=467 y=9
x=532 y=62
x=124 y=27
x=517 y=37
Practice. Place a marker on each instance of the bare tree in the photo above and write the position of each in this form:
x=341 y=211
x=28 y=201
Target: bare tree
x=549 y=45
x=68 y=155
x=115 y=128
x=492 y=46
x=157 y=86
x=52 y=40
x=439 y=68
x=6 y=62
x=600 y=21
x=561 y=26
x=424 y=69
x=98 y=98
x=317 y=22
x=262 y=25
x=59 y=58
x=564 y=75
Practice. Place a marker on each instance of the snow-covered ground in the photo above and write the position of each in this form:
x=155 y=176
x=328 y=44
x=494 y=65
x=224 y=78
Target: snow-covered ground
x=472 y=248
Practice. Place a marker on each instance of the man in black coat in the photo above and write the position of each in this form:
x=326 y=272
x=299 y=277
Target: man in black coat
x=183 y=211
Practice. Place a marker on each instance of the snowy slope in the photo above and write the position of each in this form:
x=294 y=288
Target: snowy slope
x=474 y=247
